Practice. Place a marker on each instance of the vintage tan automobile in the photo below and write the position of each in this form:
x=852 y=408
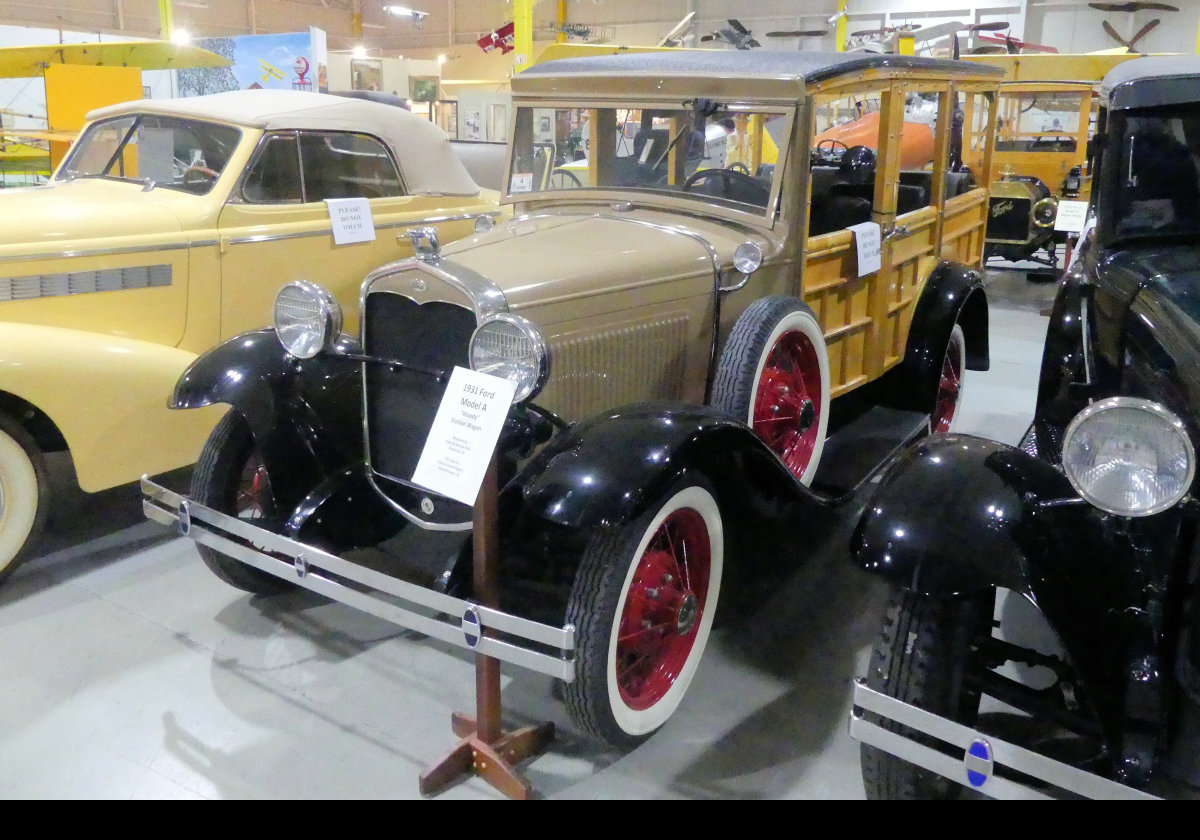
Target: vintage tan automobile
x=168 y=228
x=712 y=342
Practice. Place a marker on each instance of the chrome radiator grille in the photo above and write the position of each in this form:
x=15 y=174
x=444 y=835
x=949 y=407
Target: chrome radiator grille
x=401 y=401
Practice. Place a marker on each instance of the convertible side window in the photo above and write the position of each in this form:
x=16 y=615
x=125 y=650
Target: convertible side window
x=338 y=165
x=274 y=177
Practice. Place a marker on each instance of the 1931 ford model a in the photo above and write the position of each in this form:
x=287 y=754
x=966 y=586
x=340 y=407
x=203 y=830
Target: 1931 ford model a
x=1091 y=522
x=722 y=277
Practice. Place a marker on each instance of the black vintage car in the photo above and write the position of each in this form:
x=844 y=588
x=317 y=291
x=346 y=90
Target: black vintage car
x=1089 y=527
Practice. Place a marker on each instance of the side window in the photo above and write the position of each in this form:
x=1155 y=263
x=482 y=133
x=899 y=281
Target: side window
x=274 y=176
x=842 y=160
x=346 y=166
x=918 y=137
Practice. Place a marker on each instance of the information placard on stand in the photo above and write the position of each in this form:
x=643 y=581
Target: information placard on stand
x=484 y=747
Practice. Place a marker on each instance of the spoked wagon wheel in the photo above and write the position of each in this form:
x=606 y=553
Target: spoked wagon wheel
x=774 y=376
x=24 y=495
x=231 y=478
x=643 y=603
x=950 y=383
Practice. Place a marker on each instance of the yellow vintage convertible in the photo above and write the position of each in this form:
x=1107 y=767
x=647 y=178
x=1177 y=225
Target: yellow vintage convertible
x=169 y=227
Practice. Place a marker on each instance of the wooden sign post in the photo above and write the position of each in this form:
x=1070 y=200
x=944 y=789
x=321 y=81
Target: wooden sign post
x=484 y=747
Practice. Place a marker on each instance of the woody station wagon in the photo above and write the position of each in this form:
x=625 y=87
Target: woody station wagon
x=713 y=336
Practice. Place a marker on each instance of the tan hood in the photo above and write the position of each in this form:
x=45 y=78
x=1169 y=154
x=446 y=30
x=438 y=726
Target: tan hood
x=585 y=255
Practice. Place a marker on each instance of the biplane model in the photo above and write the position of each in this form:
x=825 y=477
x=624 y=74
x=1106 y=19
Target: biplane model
x=499 y=39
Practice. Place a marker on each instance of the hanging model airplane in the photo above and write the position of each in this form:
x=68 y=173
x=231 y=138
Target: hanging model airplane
x=736 y=34
x=499 y=39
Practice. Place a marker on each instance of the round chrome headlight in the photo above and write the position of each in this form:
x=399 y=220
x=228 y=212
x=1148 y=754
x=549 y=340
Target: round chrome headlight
x=510 y=347
x=308 y=318
x=747 y=257
x=1045 y=211
x=1128 y=456
x=484 y=223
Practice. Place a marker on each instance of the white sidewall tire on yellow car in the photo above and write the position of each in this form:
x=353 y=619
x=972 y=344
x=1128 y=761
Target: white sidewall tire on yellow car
x=24 y=495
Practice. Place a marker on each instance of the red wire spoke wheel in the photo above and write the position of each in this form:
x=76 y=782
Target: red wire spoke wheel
x=773 y=375
x=642 y=603
x=950 y=383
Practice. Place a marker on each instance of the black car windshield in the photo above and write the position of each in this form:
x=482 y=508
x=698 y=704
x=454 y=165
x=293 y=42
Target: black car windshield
x=1152 y=174
x=169 y=151
x=703 y=150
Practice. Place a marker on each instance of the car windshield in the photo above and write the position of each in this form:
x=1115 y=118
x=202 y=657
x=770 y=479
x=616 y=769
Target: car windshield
x=1152 y=173
x=1040 y=121
x=705 y=150
x=168 y=151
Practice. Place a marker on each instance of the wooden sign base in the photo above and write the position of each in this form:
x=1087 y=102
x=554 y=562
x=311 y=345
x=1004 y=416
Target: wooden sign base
x=485 y=748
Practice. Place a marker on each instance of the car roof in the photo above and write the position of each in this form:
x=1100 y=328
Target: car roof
x=1152 y=80
x=789 y=66
x=427 y=160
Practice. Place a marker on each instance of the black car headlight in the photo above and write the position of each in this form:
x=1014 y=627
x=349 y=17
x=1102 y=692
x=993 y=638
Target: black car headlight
x=308 y=319
x=511 y=347
x=1128 y=456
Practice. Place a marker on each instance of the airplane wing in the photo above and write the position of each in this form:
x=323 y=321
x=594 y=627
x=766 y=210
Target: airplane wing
x=29 y=61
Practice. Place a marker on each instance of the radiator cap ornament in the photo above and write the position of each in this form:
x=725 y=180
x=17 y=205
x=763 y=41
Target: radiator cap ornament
x=425 y=243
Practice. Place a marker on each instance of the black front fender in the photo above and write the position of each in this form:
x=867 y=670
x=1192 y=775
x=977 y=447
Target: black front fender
x=606 y=471
x=956 y=514
x=305 y=415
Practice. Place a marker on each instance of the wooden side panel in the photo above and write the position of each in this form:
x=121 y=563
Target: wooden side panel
x=841 y=299
x=964 y=225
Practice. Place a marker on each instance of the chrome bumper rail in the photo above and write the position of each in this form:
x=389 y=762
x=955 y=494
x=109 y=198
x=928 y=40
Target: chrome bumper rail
x=528 y=644
x=981 y=754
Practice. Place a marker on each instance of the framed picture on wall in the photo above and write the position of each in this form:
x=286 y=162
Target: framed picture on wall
x=422 y=88
x=366 y=74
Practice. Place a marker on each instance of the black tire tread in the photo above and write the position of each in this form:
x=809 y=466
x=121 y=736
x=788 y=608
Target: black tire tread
x=220 y=462
x=731 y=388
x=918 y=659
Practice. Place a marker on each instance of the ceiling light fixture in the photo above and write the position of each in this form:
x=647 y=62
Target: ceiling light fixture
x=403 y=11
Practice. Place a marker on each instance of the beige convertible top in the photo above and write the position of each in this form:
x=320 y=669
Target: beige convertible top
x=427 y=161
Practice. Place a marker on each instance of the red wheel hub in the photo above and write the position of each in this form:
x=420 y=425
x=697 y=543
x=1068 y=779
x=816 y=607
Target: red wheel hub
x=254 y=491
x=663 y=608
x=949 y=388
x=787 y=403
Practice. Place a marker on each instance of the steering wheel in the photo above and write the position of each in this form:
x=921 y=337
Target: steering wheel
x=735 y=185
x=829 y=151
x=738 y=166
x=199 y=176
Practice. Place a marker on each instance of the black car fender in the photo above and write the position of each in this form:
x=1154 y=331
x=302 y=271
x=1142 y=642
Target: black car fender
x=305 y=415
x=952 y=294
x=609 y=469
x=956 y=514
